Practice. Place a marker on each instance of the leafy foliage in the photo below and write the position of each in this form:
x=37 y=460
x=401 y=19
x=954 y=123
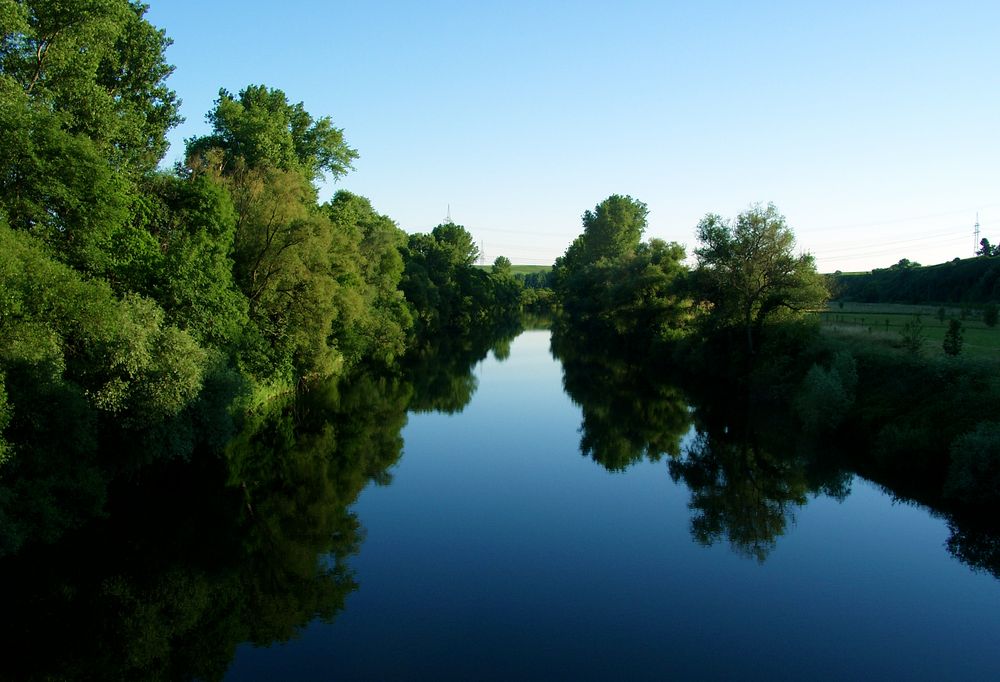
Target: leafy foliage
x=261 y=129
x=974 y=473
x=446 y=291
x=973 y=280
x=952 y=344
x=748 y=273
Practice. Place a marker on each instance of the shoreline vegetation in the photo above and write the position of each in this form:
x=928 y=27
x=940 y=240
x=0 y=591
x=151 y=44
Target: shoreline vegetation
x=146 y=312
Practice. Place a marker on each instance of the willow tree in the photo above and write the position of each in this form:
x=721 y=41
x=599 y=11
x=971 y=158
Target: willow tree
x=749 y=274
x=298 y=272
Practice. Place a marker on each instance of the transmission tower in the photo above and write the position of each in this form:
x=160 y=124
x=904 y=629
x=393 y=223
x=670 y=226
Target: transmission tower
x=975 y=238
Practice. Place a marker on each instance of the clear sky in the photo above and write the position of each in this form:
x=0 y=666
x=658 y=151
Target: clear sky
x=873 y=126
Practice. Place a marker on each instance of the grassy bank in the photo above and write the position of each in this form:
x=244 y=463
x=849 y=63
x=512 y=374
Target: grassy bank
x=885 y=324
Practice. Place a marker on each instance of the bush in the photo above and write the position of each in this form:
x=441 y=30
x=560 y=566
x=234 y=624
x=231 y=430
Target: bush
x=974 y=471
x=827 y=394
x=991 y=314
x=912 y=335
x=952 y=344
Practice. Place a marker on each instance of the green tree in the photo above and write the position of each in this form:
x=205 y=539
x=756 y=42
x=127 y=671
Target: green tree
x=991 y=313
x=383 y=327
x=85 y=114
x=82 y=368
x=987 y=249
x=101 y=66
x=952 y=344
x=444 y=288
x=299 y=274
x=612 y=230
x=646 y=298
x=912 y=335
x=748 y=272
x=502 y=267
x=260 y=128
x=583 y=276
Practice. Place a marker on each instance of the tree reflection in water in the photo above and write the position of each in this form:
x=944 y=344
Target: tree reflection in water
x=739 y=492
x=743 y=488
x=250 y=545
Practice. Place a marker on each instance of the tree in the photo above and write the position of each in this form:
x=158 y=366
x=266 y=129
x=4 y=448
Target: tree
x=747 y=271
x=85 y=114
x=260 y=128
x=382 y=329
x=990 y=314
x=444 y=288
x=611 y=233
x=613 y=229
x=100 y=65
x=987 y=249
x=952 y=344
x=501 y=267
x=905 y=264
x=300 y=274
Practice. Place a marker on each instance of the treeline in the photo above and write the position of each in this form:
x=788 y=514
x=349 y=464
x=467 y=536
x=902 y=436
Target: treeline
x=968 y=281
x=746 y=280
x=141 y=309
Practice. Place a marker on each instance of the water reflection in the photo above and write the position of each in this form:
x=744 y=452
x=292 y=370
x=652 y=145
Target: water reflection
x=195 y=558
x=628 y=412
x=740 y=492
x=441 y=370
x=975 y=543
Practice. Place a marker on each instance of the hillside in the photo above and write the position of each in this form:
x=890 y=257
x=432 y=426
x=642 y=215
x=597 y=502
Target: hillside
x=973 y=280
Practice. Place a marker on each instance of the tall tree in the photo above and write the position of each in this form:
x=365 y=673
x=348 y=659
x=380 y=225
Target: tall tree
x=748 y=272
x=611 y=232
x=84 y=111
x=260 y=128
x=299 y=274
x=613 y=229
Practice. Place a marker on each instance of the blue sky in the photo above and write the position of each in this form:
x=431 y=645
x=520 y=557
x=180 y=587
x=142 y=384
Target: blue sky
x=873 y=126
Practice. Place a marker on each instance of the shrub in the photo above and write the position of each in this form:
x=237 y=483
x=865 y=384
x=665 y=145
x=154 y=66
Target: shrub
x=912 y=335
x=827 y=394
x=991 y=314
x=974 y=471
x=952 y=344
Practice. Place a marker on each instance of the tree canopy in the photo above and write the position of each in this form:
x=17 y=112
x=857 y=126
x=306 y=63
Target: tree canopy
x=748 y=271
x=260 y=128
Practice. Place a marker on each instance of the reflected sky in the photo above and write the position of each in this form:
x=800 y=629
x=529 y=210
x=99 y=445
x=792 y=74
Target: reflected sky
x=498 y=551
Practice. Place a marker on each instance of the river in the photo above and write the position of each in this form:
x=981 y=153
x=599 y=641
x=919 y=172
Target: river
x=499 y=551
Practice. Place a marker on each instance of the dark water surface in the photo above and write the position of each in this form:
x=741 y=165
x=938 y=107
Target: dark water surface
x=498 y=551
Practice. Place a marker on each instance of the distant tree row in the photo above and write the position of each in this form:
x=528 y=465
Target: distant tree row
x=973 y=280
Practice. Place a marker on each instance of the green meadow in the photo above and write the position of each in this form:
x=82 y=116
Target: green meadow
x=886 y=322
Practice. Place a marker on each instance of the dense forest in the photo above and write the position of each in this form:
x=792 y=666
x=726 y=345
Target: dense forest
x=143 y=310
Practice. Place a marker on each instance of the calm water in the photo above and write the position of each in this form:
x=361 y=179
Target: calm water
x=499 y=551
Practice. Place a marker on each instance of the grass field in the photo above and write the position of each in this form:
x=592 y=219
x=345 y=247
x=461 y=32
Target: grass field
x=528 y=269
x=522 y=269
x=884 y=322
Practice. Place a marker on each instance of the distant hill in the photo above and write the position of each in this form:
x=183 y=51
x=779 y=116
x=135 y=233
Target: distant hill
x=522 y=269
x=972 y=280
